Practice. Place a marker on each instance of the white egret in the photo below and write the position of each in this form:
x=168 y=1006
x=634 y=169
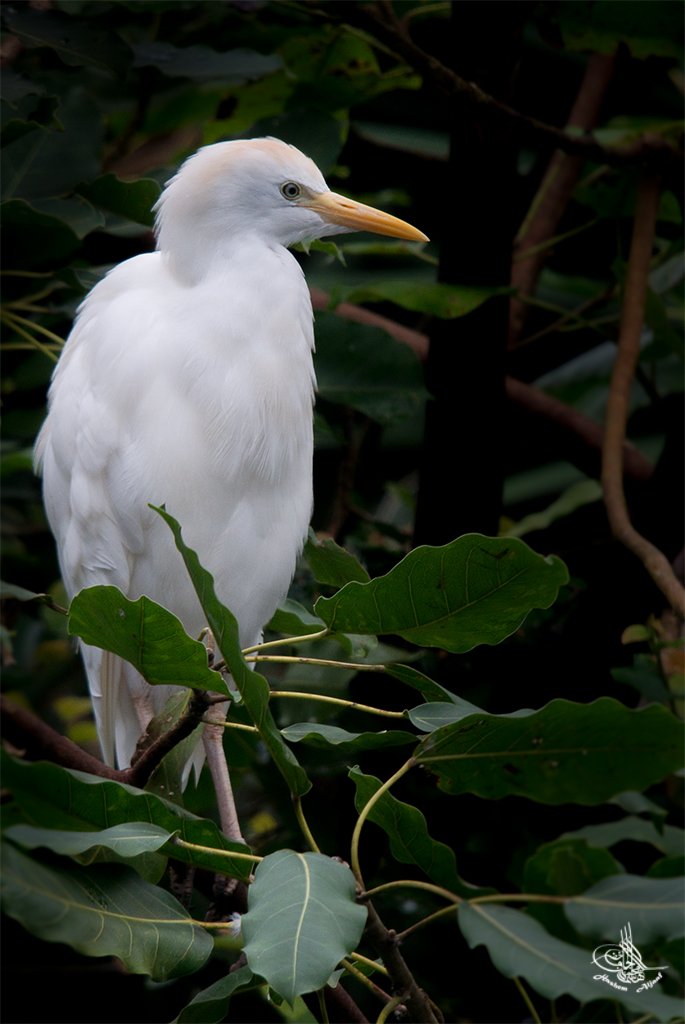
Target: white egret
x=187 y=380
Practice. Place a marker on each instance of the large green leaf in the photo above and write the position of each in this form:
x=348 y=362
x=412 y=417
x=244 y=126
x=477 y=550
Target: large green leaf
x=293 y=619
x=653 y=906
x=648 y=29
x=670 y=840
x=520 y=947
x=444 y=300
x=564 y=753
x=437 y=714
x=75 y=42
x=104 y=911
x=332 y=564
x=565 y=867
x=326 y=737
x=253 y=687
x=475 y=590
x=201 y=63
x=211 y=1005
x=128 y=840
x=144 y=633
x=60 y=798
x=427 y=687
x=410 y=841
x=302 y=920
x=365 y=368
x=131 y=199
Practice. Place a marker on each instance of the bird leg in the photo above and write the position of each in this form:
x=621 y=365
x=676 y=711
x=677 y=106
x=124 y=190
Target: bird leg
x=213 y=740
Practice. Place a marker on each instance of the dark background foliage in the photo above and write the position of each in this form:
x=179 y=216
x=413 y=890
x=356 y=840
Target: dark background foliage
x=102 y=101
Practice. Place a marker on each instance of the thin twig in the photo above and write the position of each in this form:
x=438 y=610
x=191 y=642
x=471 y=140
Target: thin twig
x=527 y=1000
x=632 y=314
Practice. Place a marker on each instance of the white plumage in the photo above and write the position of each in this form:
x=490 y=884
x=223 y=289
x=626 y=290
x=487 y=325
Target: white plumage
x=188 y=381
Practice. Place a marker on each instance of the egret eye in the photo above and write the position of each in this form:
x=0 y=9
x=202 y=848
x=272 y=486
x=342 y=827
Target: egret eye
x=291 y=190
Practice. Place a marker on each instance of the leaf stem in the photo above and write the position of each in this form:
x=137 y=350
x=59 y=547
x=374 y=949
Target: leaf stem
x=548 y=242
x=371 y=963
x=426 y=920
x=517 y=897
x=354 y=853
x=287 y=640
x=389 y=1007
x=37 y=327
x=290 y=659
x=209 y=849
x=322 y=1006
x=306 y=831
x=361 y=977
x=9 y=320
x=527 y=1000
x=338 y=700
x=412 y=883
x=233 y=725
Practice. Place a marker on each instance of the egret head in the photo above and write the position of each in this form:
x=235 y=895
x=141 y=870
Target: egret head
x=227 y=192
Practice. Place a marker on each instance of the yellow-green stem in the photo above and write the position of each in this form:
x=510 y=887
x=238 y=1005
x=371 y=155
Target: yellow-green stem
x=354 y=853
x=306 y=831
x=322 y=1006
x=517 y=897
x=14 y=317
x=389 y=1007
x=412 y=883
x=329 y=662
x=371 y=963
x=362 y=978
x=287 y=641
x=338 y=700
x=527 y=1000
x=29 y=337
x=229 y=854
x=234 y=725
x=426 y=920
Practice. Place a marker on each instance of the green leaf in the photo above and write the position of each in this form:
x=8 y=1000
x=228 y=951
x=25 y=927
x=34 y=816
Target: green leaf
x=202 y=64
x=668 y=867
x=670 y=841
x=59 y=798
x=476 y=590
x=654 y=907
x=645 y=677
x=212 y=1004
x=520 y=947
x=75 y=42
x=131 y=199
x=19 y=593
x=151 y=638
x=104 y=911
x=363 y=367
x=652 y=29
x=447 y=301
x=564 y=867
x=564 y=753
x=293 y=619
x=429 y=717
x=302 y=920
x=332 y=564
x=576 y=496
x=410 y=841
x=428 y=688
x=314 y=734
x=128 y=840
x=79 y=216
x=253 y=687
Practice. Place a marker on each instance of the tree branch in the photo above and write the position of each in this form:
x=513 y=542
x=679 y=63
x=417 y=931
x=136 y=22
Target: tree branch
x=384 y=941
x=649 y=148
x=555 y=191
x=632 y=313
x=531 y=398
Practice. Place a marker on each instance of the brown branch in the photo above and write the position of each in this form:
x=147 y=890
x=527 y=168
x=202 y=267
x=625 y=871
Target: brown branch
x=384 y=941
x=388 y=28
x=531 y=398
x=40 y=742
x=555 y=191
x=632 y=313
